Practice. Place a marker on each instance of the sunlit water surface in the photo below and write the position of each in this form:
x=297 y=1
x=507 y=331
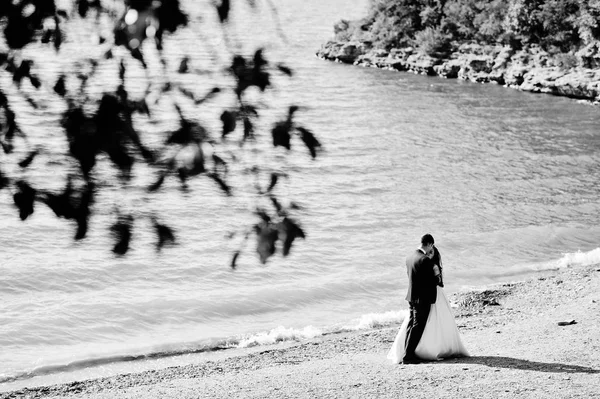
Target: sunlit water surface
x=507 y=182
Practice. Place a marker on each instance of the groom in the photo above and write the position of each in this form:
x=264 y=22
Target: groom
x=422 y=292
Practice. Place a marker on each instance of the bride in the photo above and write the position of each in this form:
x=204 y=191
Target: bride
x=440 y=338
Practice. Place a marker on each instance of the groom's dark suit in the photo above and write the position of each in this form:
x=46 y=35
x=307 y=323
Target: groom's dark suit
x=422 y=292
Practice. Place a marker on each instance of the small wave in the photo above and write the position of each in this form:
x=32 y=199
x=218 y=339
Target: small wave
x=374 y=320
x=579 y=258
x=280 y=334
x=276 y=335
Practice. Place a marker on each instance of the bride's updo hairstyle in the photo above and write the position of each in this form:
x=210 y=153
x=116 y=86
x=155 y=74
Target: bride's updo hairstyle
x=436 y=258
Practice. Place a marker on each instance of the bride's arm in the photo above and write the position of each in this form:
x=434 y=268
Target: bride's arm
x=438 y=274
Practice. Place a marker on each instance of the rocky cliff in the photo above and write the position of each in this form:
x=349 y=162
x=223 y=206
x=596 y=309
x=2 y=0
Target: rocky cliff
x=530 y=68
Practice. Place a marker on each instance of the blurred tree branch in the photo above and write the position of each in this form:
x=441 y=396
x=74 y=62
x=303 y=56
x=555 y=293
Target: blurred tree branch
x=103 y=120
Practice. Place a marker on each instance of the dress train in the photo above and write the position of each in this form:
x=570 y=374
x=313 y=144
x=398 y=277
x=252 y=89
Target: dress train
x=441 y=338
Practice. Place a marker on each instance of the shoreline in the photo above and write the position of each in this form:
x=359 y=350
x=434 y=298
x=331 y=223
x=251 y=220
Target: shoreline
x=530 y=69
x=512 y=331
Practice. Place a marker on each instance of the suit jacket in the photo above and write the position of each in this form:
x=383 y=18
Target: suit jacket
x=422 y=282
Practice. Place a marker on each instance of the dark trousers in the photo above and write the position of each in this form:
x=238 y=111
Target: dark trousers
x=417 y=319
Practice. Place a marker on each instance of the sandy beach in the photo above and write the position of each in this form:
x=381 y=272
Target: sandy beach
x=537 y=338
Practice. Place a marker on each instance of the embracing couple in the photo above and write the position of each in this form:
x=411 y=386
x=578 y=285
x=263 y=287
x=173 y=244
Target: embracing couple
x=429 y=332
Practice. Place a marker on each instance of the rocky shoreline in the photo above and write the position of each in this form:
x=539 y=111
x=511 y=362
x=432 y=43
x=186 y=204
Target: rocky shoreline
x=529 y=69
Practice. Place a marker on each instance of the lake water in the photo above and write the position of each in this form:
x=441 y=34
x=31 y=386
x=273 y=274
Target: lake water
x=507 y=183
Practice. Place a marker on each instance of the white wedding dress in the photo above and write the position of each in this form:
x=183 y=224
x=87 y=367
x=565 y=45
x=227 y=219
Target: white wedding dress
x=440 y=339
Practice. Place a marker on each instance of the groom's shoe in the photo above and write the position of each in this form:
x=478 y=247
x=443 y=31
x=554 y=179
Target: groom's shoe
x=411 y=361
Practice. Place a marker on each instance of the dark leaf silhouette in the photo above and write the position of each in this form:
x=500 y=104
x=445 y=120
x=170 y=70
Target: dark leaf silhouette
x=6 y=147
x=8 y=125
x=58 y=36
x=267 y=236
x=21 y=26
x=182 y=177
x=83 y=211
x=61 y=204
x=7 y=120
x=234 y=259
x=248 y=110
x=122 y=159
x=29 y=159
x=250 y=73
x=281 y=134
x=82 y=227
x=139 y=5
x=122 y=71
x=158 y=183
x=140 y=106
x=4 y=181
x=310 y=141
x=22 y=71
x=122 y=231
x=219 y=164
x=260 y=77
x=47 y=35
x=223 y=10
x=167 y=88
x=187 y=133
x=18 y=33
x=285 y=69
x=137 y=54
x=35 y=82
x=83 y=142
x=259 y=59
x=72 y=204
x=83 y=7
x=248 y=129
x=273 y=182
x=296 y=206
x=148 y=155
x=229 y=122
x=263 y=215
x=288 y=232
x=183 y=65
x=110 y=133
x=282 y=131
x=164 y=235
x=59 y=87
x=31 y=102
x=187 y=93
x=211 y=94
x=170 y=16
x=277 y=206
x=240 y=70
x=24 y=199
x=222 y=184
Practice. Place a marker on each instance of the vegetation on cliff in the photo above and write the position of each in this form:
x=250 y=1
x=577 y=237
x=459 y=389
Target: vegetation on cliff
x=541 y=46
x=437 y=26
